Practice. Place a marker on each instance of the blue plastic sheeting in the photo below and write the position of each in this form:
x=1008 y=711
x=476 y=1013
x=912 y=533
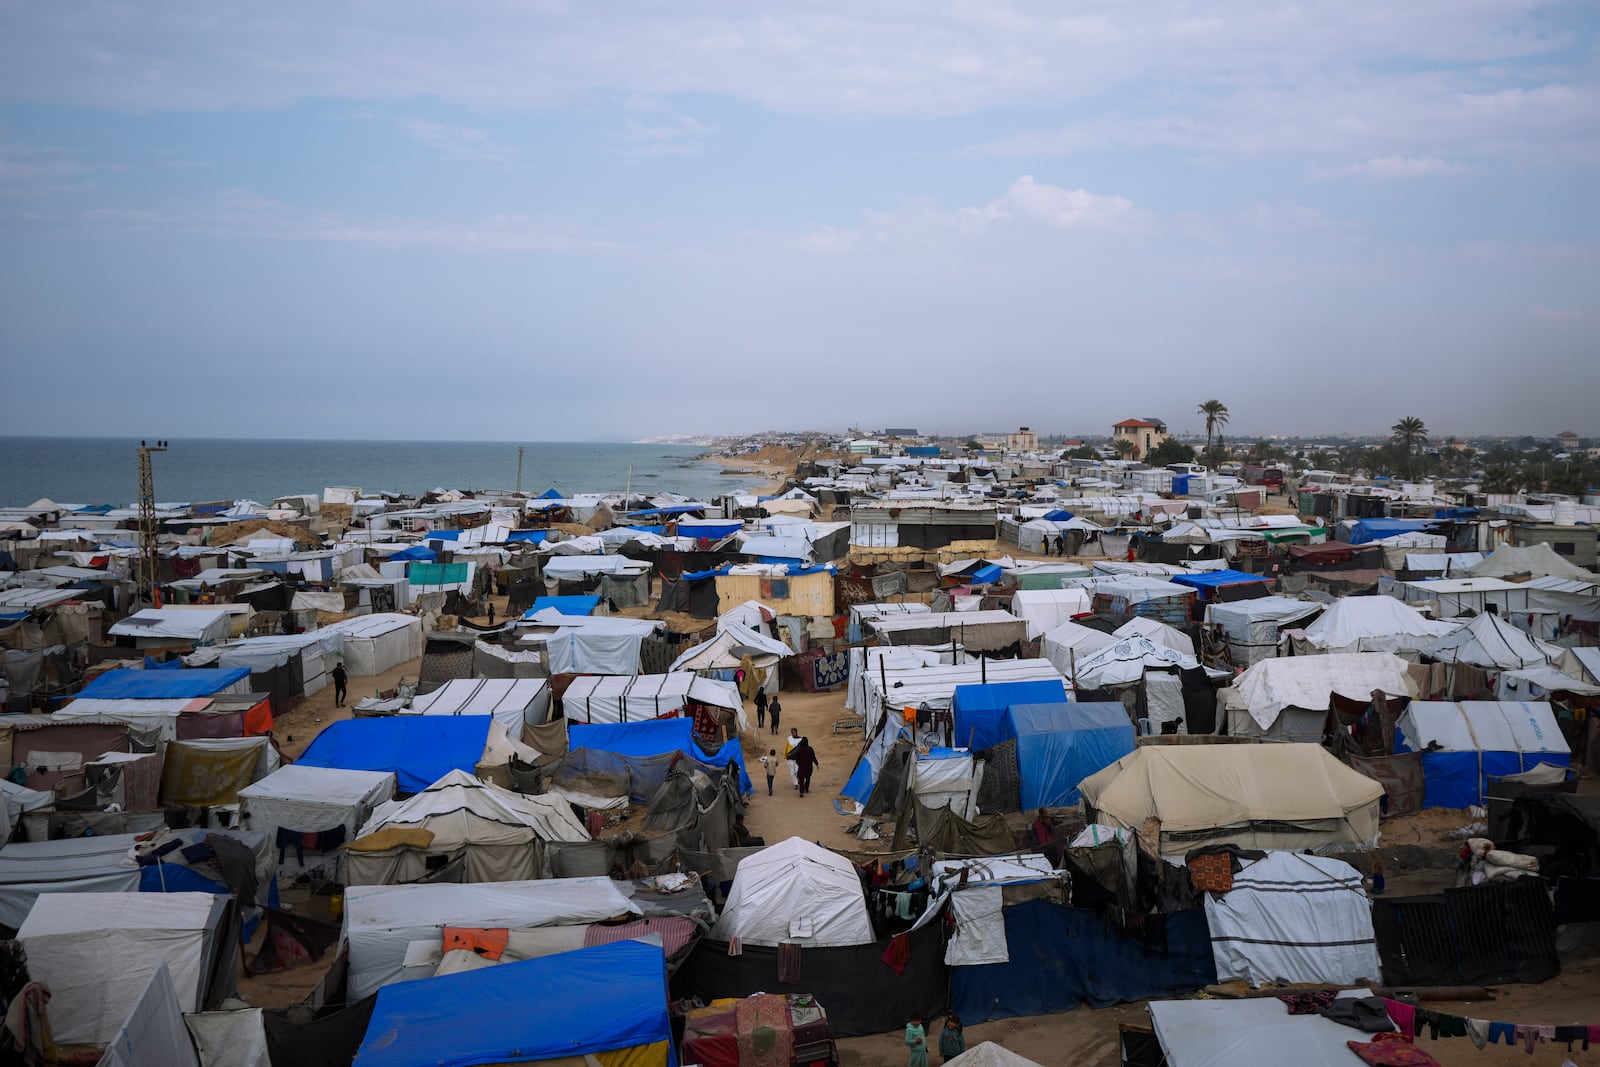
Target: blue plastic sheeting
x=442 y=535
x=1212 y=579
x=178 y=878
x=1057 y=516
x=536 y=537
x=710 y=532
x=659 y=531
x=550 y=494
x=677 y=509
x=416 y=553
x=14 y=616
x=986 y=575
x=923 y=450
x=980 y=709
x=1461 y=779
x=656 y=737
x=1064 y=957
x=163 y=685
x=1180 y=485
x=1365 y=530
x=94 y=509
x=1059 y=745
x=419 y=749
x=157 y=665
x=698 y=576
x=566 y=605
x=571 y=1004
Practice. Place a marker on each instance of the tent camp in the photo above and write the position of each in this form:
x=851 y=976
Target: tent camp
x=1059 y=745
x=74 y=865
x=513 y=702
x=531 y=1010
x=1290 y=796
x=1370 y=624
x=170 y=626
x=1465 y=744
x=297 y=800
x=1288 y=699
x=635 y=698
x=381 y=922
x=499 y=835
x=1294 y=918
x=798 y=893
x=96 y=951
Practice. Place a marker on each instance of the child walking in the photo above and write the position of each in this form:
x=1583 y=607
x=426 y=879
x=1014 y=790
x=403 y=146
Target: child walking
x=769 y=763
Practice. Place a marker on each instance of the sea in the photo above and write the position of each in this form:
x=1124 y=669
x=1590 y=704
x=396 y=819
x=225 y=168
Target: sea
x=104 y=470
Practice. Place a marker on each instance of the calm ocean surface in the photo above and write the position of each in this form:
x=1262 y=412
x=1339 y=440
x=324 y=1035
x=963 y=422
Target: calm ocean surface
x=103 y=470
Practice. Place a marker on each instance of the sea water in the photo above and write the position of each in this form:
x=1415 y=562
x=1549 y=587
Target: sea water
x=104 y=470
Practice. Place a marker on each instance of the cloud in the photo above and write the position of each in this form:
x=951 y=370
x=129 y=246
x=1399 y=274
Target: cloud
x=461 y=143
x=32 y=169
x=242 y=214
x=1399 y=167
x=673 y=135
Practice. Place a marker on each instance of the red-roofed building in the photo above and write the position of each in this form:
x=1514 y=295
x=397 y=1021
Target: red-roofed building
x=1143 y=434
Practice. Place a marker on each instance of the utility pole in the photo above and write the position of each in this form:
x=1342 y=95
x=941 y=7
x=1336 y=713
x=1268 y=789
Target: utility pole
x=520 y=450
x=148 y=559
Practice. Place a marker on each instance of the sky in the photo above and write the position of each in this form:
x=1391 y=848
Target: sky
x=543 y=220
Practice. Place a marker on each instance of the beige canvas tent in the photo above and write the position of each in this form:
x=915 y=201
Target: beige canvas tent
x=1285 y=796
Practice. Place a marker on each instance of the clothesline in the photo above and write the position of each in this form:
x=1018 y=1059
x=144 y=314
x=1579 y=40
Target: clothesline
x=1412 y=1020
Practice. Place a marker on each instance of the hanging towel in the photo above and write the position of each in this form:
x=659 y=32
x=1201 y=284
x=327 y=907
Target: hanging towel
x=789 y=963
x=898 y=954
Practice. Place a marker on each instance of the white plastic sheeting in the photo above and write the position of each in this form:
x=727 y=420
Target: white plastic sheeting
x=1253 y=627
x=236 y=1038
x=798 y=892
x=1490 y=642
x=512 y=701
x=1238 y=1033
x=1372 y=624
x=1066 y=644
x=75 y=865
x=312 y=800
x=1267 y=688
x=1158 y=632
x=1045 y=609
x=1290 y=918
x=1124 y=663
x=1481 y=726
x=171 y=624
x=373 y=644
x=153 y=1034
x=729 y=646
x=980 y=935
x=97 y=951
x=381 y=921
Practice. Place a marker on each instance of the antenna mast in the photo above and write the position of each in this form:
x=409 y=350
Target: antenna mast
x=149 y=561
x=520 y=450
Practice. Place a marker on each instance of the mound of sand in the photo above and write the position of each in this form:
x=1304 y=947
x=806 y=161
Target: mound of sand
x=248 y=528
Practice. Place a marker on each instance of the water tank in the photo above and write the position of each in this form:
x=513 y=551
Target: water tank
x=1566 y=513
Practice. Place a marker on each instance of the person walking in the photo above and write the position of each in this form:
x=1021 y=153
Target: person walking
x=791 y=743
x=917 y=1041
x=769 y=763
x=761 y=708
x=341 y=683
x=805 y=761
x=774 y=709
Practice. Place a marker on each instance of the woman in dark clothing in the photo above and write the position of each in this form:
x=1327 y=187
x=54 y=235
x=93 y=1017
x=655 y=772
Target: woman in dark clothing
x=761 y=708
x=805 y=761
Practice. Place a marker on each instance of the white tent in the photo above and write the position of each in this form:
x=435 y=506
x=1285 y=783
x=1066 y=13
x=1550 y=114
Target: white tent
x=1371 y=624
x=1538 y=560
x=96 y=951
x=513 y=702
x=913 y=685
x=74 y=865
x=796 y=892
x=1158 y=632
x=313 y=800
x=989 y=1054
x=1045 y=609
x=1178 y=797
x=1294 y=918
x=1287 y=699
x=1124 y=663
x=373 y=644
x=382 y=921
x=1064 y=645
x=496 y=832
x=636 y=698
x=588 y=644
x=1228 y=1033
x=726 y=649
x=1490 y=642
x=1254 y=628
x=168 y=625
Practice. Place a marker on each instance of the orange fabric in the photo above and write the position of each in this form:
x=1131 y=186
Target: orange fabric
x=909 y=714
x=1212 y=873
x=489 y=944
x=258 y=720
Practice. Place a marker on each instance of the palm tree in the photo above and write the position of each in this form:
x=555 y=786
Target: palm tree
x=1124 y=447
x=1409 y=435
x=1216 y=413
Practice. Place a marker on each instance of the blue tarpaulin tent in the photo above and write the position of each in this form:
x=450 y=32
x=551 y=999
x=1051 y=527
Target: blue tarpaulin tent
x=550 y=494
x=1057 y=515
x=656 y=737
x=980 y=709
x=418 y=553
x=163 y=685
x=419 y=749
x=1364 y=530
x=1465 y=744
x=572 y=1004
x=1059 y=745
x=986 y=575
x=566 y=605
x=536 y=537
x=1208 y=582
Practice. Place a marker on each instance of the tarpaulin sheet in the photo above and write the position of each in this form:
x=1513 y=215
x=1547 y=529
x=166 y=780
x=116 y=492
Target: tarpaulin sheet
x=194 y=776
x=163 y=685
x=571 y=1004
x=655 y=738
x=1064 y=957
x=419 y=750
x=1059 y=745
x=980 y=709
